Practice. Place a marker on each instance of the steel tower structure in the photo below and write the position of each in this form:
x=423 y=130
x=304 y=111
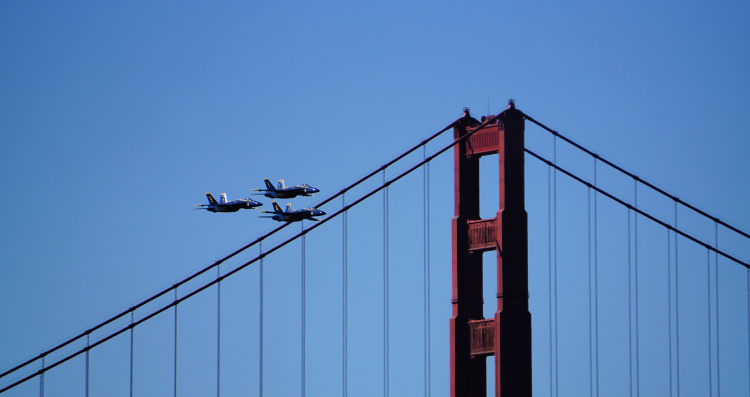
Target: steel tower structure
x=507 y=336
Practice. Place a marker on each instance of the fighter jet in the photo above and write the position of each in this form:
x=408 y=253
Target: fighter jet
x=292 y=215
x=286 y=192
x=227 y=206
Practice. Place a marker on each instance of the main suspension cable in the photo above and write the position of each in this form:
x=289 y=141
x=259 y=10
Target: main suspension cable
x=631 y=175
x=639 y=211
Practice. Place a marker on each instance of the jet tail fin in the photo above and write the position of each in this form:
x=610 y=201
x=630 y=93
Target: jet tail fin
x=276 y=207
x=223 y=198
x=211 y=199
x=281 y=184
x=269 y=186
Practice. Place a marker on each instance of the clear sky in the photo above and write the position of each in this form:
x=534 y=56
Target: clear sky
x=115 y=119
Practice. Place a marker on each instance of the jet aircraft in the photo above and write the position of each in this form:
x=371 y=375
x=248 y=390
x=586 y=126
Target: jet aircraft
x=286 y=192
x=227 y=206
x=292 y=215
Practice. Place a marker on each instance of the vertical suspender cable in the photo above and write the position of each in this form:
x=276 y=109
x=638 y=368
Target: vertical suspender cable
x=596 y=276
x=635 y=283
x=669 y=305
x=593 y=293
x=344 y=299
x=552 y=210
x=716 y=281
x=710 y=350
x=386 y=342
x=596 y=279
x=41 y=376
x=677 y=299
x=260 y=322
x=554 y=205
x=427 y=344
x=630 y=306
x=88 y=343
x=304 y=308
x=591 y=312
x=132 y=329
x=218 y=331
x=175 y=343
x=550 y=286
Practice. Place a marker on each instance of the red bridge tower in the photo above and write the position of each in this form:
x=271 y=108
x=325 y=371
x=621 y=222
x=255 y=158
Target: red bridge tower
x=507 y=336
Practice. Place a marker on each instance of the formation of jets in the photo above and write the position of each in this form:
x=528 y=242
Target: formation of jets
x=281 y=192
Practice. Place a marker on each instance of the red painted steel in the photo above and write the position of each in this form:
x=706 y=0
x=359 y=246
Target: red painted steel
x=512 y=319
x=468 y=376
x=482 y=236
x=484 y=141
x=482 y=337
x=507 y=336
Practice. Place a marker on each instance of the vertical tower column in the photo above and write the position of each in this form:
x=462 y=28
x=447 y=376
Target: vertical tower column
x=468 y=376
x=512 y=319
x=507 y=336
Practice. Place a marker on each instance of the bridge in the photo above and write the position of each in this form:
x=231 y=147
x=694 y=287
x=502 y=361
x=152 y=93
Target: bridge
x=609 y=285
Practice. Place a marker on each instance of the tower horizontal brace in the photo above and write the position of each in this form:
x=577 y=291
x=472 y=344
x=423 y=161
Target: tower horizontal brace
x=482 y=336
x=484 y=141
x=482 y=235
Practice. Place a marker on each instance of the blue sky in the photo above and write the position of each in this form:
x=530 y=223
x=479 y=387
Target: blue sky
x=116 y=118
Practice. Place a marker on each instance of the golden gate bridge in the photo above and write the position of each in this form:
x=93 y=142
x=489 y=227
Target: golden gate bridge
x=604 y=283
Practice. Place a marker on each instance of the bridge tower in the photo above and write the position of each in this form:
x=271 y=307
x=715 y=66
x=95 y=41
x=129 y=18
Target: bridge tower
x=507 y=336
